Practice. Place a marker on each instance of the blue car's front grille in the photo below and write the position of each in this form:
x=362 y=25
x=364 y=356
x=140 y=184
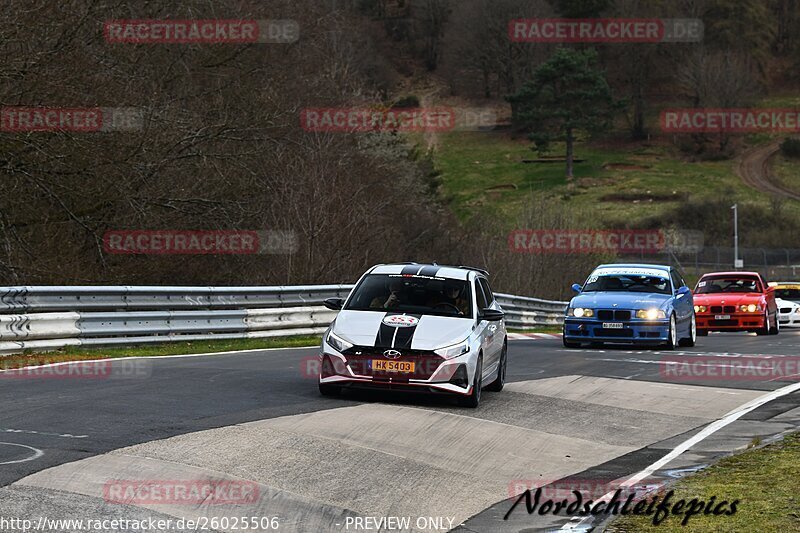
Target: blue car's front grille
x=609 y=314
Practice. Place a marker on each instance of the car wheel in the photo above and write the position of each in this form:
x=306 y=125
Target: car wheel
x=474 y=399
x=766 y=330
x=672 y=342
x=702 y=333
x=497 y=384
x=689 y=342
x=329 y=390
x=777 y=328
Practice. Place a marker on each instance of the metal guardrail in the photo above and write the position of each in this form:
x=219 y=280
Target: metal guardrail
x=44 y=318
x=118 y=298
x=523 y=312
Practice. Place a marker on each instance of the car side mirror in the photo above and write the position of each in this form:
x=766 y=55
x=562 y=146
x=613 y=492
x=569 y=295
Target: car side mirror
x=492 y=315
x=683 y=291
x=577 y=288
x=334 y=304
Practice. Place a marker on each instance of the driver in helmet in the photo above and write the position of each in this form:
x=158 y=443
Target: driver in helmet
x=451 y=297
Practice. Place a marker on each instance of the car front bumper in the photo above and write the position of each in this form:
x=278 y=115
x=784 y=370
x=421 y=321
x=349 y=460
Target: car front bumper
x=736 y=322
x=789 y=320
x=632 y=331
x=431 y=374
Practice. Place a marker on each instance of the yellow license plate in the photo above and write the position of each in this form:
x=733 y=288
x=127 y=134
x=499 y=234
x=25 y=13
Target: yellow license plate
x=402 y=367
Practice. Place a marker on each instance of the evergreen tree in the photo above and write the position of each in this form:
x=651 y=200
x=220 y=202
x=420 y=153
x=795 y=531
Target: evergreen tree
x=567 y=94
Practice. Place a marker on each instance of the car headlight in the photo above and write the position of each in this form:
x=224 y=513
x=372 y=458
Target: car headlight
x=451 y=352
x=700 y=308
x=580 y=312
x=752 y=308
x=338 y=343
x=797 y=310
x=650 y=314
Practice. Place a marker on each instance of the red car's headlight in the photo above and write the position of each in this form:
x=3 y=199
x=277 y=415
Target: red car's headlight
x=749 y=308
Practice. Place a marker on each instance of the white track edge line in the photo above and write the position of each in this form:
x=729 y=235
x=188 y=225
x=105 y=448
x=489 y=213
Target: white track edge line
x=688 y=443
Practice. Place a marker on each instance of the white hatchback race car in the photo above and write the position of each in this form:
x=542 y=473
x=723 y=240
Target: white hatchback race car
x=787 y=296
x=414 y=327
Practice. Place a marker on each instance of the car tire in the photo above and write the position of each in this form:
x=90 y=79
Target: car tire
x=766 y=330
x=672 y=341
x=777 y=329
x=702 y=333
x=329 y=390
x=690 y=341
x=497 y=384
x=474 y=399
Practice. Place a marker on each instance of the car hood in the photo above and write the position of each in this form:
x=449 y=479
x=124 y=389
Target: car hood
x=623 y=300
x=786 y=303
x=727 y=298
x=367 y=328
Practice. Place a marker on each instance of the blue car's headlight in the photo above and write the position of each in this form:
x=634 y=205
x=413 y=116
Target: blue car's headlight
x=580 y=312
x=651 y=314
x=338 y=343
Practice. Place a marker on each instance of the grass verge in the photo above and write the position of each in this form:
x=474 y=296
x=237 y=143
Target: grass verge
x=785 y=172
x=78 y=353
x=764 y=480
x=616 y=184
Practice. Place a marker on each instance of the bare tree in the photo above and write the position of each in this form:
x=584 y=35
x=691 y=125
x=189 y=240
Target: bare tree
x=478 y=46
x=719 y=80
x=430 y=18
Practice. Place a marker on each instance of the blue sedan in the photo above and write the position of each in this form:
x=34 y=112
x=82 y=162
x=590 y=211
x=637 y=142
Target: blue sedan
x=631 y=304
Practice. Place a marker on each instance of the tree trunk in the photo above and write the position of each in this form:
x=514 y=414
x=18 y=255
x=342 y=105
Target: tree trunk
x=570 y=153
x=638 y=131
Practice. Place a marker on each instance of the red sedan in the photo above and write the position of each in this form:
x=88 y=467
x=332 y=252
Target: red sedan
x=735 y=301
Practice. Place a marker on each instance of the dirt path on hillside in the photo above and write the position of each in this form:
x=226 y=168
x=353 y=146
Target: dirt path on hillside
x=753 y=168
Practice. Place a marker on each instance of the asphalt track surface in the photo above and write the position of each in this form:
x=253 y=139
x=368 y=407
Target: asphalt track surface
x=320 y=464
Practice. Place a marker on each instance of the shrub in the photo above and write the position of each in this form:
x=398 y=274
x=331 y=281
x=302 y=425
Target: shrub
x=791 y=147
x=409 y=101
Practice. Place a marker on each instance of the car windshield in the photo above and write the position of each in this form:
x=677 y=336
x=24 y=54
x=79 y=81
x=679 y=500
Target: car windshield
x=728 y=284
x=627 y=283
x=785 y=293
x=412 y=294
